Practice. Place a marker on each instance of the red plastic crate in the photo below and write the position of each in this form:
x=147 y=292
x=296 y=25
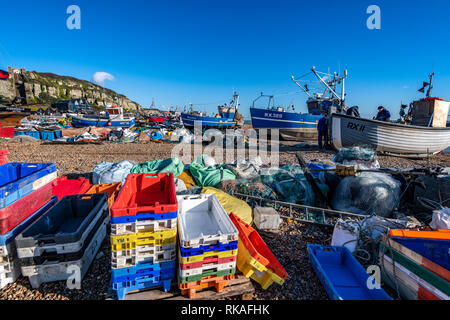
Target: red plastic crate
x=67 y=187
x=7 y=132
x=208 y=260
x=4 y=156
x=18 y=211
x=146 y=193
x=257 y=247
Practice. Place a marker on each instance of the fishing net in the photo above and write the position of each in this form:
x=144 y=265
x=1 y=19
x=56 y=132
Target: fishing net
x=364 y=157
x=368 y=194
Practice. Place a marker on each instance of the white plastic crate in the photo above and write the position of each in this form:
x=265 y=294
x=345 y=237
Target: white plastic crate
x=59 y=271
x=118 y=229
x=36 y=251
x=203 y=221
x=8 y=249
x=9 y=277
x=206 y=267
x=124 y=259
x=44 y=180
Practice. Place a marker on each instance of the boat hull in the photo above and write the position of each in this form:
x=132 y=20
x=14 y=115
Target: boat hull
x=207 y=122
x=81 y=122
x=388 y=138
x=292 y=126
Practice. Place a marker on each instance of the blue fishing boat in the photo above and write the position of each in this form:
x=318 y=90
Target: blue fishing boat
x=113 y=118
x=295 y=125
x=228 y=117
x=342 y=275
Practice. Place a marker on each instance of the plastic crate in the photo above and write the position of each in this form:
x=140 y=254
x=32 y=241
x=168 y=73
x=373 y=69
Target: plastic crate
x=47 y=135
x=257 y=248
x=131 y=241
x=207 y=273
x=146 y=193
x=16 y=213
x=58 y=271
x=55 y=257
x=189 y=252
x=58 y=134
x=9 y=277
x=64 y=227
x=67 y=187
x=206 y=270
x=144 y=217
x=9 y=237
x=34 y=134
x=143 y=255
x=203 y=221
x=191 y=288
x=111 y=189
x=209 y=260
x=145 y=282
x=7 y=132
x=4 y=156
x=253 y=269
x=143 y=267
x=150 y=271
x=118 y=229
x=201 y=257
x=17 y=179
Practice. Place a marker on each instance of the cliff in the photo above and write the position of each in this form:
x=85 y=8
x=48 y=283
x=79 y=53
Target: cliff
x=47 y=88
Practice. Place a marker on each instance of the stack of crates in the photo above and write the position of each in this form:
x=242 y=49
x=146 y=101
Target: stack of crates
x=64 y=240
x=143 y=233
x=208 y=244
x=25 y=192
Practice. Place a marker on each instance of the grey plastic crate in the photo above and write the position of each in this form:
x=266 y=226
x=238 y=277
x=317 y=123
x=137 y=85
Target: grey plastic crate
x=63 y=228
x=59 y=271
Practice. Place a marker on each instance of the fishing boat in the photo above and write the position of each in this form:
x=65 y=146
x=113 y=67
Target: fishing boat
x=297 y=125
x=342 y=275
x=228 y=116
x=427 y=134
x=114 y=118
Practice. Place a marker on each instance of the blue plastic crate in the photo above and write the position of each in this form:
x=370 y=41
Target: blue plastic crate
x=145 y=216
x=58 y=134
x=189 y=252
x=436 y=250
x=47 y=135
x=142 y=266
x=145 y=272
x=34 y=134
x=341 y=274
x=9 y=237
x=16 y=179
x=145 y=282
x=20 y=133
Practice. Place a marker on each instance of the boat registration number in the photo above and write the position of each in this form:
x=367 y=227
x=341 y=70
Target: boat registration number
x=356 y=126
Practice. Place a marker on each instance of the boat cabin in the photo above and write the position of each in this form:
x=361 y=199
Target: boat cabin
x=429 y=112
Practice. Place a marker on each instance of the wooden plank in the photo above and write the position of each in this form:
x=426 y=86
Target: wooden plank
x=240 y=285
x=228 y=291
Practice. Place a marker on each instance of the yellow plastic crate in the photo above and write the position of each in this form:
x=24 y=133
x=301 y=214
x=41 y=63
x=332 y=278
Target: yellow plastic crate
x=131 y=241
x=219 y=254
x=251 y=268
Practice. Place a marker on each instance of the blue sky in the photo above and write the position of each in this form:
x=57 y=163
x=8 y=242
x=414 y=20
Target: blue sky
x=199 y=51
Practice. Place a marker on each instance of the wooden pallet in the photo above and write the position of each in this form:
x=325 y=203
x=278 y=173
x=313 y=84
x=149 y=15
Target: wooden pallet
x=239 y=288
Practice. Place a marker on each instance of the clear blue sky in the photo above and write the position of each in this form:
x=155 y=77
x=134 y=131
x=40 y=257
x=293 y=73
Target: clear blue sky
x=199 y=51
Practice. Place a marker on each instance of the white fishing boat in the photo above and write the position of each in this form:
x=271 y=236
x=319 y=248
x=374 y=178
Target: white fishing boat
x=427 y=134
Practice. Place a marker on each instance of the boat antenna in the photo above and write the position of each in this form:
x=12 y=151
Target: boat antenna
x=428 y=84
